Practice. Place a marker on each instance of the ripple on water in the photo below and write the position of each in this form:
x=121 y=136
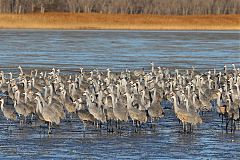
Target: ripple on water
x=119 y=50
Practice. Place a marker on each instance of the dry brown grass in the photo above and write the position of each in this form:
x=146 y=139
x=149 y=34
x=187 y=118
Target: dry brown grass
x=118 y=21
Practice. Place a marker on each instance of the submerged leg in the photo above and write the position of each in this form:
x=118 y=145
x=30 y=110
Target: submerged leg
x=190 y=127
x=49 y=128
x=84 y=126
x=184 y=129
x=227 y=121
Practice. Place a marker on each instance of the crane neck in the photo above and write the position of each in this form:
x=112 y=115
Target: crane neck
x=188 y=91
x=2 y=102
x=238 y=91
x=194 y=100
x=45 y=92
x=43 y=101
x=154 y=95
x=17 y=96
x=3 y=77
x=39 y=105
x=229 y=103
x=219 y=100
x=152 y=67
x=118 y=90
x=25 y=97
x=108 y=74
x=49 y=100
x=25 y=84
x=20 y=68
x=143 y=97
x=187 y=105
x=113 y=100
x=230 y=83
x=175 y=107
x=238 y=80
x=51 y=89
x=33 y=82
x=88 y=99
x=36 y=73
x=99 y=98
x=210 y=84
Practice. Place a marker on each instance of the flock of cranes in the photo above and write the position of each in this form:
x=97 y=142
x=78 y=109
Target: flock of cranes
x=114 y=98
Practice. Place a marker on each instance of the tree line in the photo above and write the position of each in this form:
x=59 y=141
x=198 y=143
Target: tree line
x=161 y=7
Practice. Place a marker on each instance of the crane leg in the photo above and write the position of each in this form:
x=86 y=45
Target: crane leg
x=49 y=128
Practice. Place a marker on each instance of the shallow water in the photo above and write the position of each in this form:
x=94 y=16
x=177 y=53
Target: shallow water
x=165 y=141
x=118 y=50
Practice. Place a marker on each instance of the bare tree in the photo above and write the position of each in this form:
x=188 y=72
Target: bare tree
x=163 y=7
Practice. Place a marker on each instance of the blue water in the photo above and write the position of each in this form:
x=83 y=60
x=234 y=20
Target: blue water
x=119 y=50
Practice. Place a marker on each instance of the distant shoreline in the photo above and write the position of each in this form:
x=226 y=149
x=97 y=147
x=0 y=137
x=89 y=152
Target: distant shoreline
x=97 y=21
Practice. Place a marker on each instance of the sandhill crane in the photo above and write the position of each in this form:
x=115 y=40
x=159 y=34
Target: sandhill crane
x=206 y=105
x=57 y=106
x=185 y=116
x=104 y=94
x=8 y=112
x=35 y=85
x=21 y=71
x=134 y=113
x=221 y=108
x=20 y=107
x=196 y=102
x=232 y=114
x=155 y=110
x=108 y=109
x=38 y=112
x=48 y=112
x=138 y=73
x=96 y=111
x=83 y=114
x=67 y=102
x=119 y=110
x=152 y=68
x=29 y=103
x=144 y=101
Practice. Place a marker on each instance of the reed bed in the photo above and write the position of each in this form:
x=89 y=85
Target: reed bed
x=118 y=21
